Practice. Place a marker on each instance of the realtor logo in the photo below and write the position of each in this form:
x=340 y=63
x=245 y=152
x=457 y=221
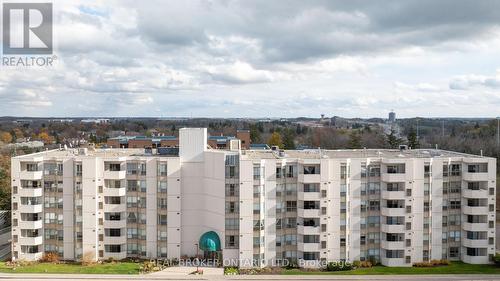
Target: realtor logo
x=27 y=28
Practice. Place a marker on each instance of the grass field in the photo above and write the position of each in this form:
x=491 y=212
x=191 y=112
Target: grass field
x=106 y=268
x=454 y=268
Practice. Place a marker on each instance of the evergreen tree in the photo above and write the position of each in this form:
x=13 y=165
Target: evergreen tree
x=354 y=140
x=413 y=140
x=393 y=140
x=288 y=137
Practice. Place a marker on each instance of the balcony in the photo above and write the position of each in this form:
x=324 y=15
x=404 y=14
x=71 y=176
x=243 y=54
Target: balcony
x=393 y=195
x=482 y=210
x=114 y=175
x=31 y=241
x=386 y=177
x=115 y=240
x=31 y=175
x=393 y=228
x=115 y=208
x=30 y=224
x=308 y=247
x=309 y=196
x=477 y=243
x=476 y=259
x=309 y=178
x=115 y=224
x=475 y=176
x=122 y=191
x=392 y=245
x=31 y=256
x=30 y=208
x=308 y=230
x=395 y=212
x=308 y=213
x=475 y=226
x=468 y=193
x=116 y=256
x=394 y=262
x=30 y=192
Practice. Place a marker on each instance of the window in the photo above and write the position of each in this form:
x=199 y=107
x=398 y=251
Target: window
x=456 y=170
x=113 y=248
x=114 y=167
x=311 y=238
x=162 y=186
x=115 y=200
x=396 y=169
x=395 y=220
x=291 y=206
x=162 y=219
x=373 y=221
x=395 y=186
x=454 y=252
x=311 y=187
x=162 y=169
x=311 y=169
x=395 y=203
x=394 y=237
x=476 y=252
x=231 y=241
x=477 y=168
x=232 y=207
x=394 y=254
x=477 y=218
x=477 y=202
x=477 y=235
x=162 y=203
x=231 y=190
x=232 y=224
x=112 y=232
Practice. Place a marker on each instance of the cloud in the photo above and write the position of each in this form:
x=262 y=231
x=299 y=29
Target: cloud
x=465 y=82
x=120 y=58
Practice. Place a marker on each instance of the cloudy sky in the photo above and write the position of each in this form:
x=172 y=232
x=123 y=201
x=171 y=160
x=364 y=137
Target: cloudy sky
x=265 y=58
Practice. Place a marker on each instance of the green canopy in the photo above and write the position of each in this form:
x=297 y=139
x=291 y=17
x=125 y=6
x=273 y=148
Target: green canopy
x=210 y=242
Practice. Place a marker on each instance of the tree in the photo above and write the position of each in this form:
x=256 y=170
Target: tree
x=5 y=195
x=412 y=139
x=288 y=139
x=255 y=134
x=5 y=137
x=275 y=140
x=393 y=140
x=354 y=140
x=44 y=136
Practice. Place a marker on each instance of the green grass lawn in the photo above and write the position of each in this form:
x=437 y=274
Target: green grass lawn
x=454 y=268
x=106 y=268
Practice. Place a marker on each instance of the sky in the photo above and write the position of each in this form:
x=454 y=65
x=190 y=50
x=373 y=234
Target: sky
x=264 y=59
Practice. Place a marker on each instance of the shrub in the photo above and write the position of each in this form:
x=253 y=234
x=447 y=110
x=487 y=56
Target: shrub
x=356 y=264
x=365 y=264
x=149 y=266
x=339 y=266
x=422 y=264
x=231 y=271
x=51 y=257
x=88 y=258
x=496 y=259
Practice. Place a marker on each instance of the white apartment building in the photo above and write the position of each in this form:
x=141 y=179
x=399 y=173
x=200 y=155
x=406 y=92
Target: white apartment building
x=254 y=207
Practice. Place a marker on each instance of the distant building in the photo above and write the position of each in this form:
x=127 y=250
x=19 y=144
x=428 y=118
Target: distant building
x=392 y=117
x=96 y=121
x=217 y=141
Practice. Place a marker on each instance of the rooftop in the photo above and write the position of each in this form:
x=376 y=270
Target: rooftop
x=355 y=153
x=270 y=154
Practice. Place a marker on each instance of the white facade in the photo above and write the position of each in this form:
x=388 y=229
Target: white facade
x=310 y=206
